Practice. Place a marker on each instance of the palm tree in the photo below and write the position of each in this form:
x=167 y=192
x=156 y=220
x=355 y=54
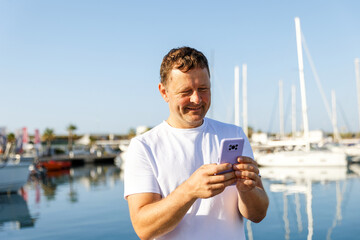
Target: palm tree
x=132 y=133
x=71 y=128
x=250 y=131
x=48 y=136
x=11 y=138
x=9 y=147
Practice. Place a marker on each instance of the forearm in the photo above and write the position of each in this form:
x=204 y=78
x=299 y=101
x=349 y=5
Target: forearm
x=160 y=217
x=252 y=199
x=153 y=216
x=253 y=204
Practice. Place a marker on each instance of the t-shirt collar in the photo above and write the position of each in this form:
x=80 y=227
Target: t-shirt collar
x=195 y=129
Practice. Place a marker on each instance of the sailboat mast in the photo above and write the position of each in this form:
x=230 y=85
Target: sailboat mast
x=334 y=118
x=302 y=80
x=281 y=109
x=245 y=114
x=212 y=74
x=293 y=114
x=357 y=73
x=237 y=96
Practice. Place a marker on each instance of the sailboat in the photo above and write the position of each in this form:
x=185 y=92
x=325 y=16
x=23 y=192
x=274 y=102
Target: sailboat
x=352 y=150
x=237 y=97
x=304 y=156
x=351 y=147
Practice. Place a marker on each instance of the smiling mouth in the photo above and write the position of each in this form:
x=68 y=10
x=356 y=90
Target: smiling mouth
x=194 y=108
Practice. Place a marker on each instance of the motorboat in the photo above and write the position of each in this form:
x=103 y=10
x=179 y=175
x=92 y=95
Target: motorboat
x=55 y=165
x=14 y=172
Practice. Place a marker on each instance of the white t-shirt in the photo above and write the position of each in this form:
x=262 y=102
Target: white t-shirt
x=161 y=159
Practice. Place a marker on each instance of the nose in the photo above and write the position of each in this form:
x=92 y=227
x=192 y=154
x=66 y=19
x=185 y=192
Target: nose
x=195 y=97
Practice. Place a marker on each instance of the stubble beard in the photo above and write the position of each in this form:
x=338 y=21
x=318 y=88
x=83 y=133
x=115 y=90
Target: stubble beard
x=195 y=118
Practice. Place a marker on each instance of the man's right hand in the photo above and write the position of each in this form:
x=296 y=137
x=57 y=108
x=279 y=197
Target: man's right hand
x=206 y=181
x=154 y=216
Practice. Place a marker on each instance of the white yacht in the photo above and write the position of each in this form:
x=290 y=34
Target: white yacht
x=302 y=158
x=14 y=173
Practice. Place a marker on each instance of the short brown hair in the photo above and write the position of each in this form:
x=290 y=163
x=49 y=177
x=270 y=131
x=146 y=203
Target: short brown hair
x=184 y=59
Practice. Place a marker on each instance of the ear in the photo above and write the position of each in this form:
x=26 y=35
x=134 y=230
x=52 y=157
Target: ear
x=163 y=92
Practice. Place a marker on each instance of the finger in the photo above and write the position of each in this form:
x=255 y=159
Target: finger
x=222 y=177
x=246 y=167
x=222 y=167
x=247 y=182
x=247 y=175
x=209 y=169
x=222 y=185
x=230 y=182
x=244 y=159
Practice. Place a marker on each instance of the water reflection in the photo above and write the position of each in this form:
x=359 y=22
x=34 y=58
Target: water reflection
x=90 y=176
x=14 y=212
x=291 y=185
x=305 y=203
x=355 y=168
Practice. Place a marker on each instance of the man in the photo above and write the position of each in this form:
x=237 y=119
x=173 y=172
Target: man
x=174 y=188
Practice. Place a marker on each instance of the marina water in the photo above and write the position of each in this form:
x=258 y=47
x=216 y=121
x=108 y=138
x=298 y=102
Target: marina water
x=87 y=203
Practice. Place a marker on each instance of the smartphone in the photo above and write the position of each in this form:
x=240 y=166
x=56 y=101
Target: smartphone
x=230 y=149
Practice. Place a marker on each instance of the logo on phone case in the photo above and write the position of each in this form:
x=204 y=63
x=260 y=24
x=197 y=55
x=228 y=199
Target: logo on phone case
x=233 y=147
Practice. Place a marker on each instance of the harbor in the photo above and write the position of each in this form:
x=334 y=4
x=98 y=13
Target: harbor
x=79 y=194
x=86 y=202
x=80 y=80
x=76 y=191
x=61 y=191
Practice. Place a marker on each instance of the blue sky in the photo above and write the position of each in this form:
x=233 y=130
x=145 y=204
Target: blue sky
x=96 y=64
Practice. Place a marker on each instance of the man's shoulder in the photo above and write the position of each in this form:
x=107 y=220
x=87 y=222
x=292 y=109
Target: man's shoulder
x=152 y=134
x=224 y=130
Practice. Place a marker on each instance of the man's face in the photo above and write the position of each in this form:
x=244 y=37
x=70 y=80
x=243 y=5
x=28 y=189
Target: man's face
x=188 y=95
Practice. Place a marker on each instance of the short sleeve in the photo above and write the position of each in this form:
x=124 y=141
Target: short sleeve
x=247 y=150
x=139 y=175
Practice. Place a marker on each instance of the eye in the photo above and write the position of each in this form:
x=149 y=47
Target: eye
x=186 y=92
x=203 y=89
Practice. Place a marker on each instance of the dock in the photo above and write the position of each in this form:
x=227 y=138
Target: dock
x=79 y=159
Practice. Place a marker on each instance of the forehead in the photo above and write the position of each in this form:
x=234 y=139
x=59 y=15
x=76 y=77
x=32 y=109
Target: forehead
x=198 y=76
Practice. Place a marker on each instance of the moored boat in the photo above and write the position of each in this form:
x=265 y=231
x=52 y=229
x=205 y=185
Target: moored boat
x=14 y=173
x=55 y=165
x=302 y=158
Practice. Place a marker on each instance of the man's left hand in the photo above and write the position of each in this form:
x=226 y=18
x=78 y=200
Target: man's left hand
x=247 y=173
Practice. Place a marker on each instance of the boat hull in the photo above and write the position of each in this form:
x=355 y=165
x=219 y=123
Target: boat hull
x=302 y=158
x=13 y=176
